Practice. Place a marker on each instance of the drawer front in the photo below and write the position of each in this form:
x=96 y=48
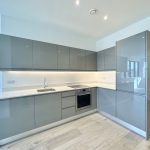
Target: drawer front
x=68 y=102
x=68 y=112
x=69 y=93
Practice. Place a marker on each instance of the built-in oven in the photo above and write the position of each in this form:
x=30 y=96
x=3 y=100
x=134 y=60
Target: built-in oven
x=83 y=99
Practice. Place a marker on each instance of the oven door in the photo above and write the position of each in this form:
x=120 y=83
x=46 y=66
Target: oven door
x=83 y=101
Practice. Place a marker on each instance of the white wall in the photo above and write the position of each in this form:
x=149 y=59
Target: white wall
x=14 y=79
x=22 y=79
x=135 y=28
x=46 y=32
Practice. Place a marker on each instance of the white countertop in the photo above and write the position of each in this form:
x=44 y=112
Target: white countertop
x=31 y=92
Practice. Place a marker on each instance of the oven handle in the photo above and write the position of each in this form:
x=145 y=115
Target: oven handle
x=83 y=94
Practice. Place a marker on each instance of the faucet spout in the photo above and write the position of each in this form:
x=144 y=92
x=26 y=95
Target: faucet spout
x=45 y=84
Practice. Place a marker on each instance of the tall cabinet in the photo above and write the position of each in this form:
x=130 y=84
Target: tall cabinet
x=132 y=80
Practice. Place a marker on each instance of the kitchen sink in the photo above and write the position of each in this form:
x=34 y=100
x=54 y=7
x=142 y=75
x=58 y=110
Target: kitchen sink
x=46 y=90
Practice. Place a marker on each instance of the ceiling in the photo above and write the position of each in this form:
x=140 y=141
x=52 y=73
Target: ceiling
x=66 y=14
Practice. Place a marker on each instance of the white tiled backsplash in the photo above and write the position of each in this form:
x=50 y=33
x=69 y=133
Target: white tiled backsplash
x=16 y=79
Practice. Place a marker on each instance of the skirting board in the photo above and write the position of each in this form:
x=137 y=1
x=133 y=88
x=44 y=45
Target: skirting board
x=124 y=124
x=37 y=130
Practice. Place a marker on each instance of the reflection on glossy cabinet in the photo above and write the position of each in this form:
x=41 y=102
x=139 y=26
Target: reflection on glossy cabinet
x=47 y=109
x=131 y=64
x=131 y=108
x=44 y=56
x=16 y=116
x=77 y=59
x=107 y=101
x=63 y=58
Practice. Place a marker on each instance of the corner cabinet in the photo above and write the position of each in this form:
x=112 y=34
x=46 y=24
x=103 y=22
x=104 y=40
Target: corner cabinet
x=106 y=59
x=15 y=53
x=107 y=101
x=16 y=116
x=91 y=61
x=47 y=109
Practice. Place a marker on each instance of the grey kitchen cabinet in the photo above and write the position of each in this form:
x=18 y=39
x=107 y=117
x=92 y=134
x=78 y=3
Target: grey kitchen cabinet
x=68 y=104
x=68 y=112
x=68 y=101
x=110 y=58
x=107 y=101
x=131 y=108
x=100 y=61
x=106 y=59
x=91 y=60
x=63 y=58
x=44 y=56
x=16 y=116
x=77 y=59
x=47 y=109
x=15 y=53
x=131 y=64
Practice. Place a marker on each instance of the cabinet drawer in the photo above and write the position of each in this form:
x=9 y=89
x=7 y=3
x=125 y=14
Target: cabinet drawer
x=68 y=102
x=68 y=112
x=69 y=93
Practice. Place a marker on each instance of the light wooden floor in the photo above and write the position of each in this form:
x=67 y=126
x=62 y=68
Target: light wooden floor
x=93 y=132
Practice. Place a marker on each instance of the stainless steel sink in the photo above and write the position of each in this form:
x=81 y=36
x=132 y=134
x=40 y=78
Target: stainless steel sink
x=46 y=90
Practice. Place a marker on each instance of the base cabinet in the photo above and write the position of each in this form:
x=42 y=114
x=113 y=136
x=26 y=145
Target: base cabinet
x=131 y=108
x=16 y=116
x=47 y=109
x=128 y=107
x=107 y=101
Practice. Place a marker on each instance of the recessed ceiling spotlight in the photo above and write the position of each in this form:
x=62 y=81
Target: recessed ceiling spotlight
x=77 y=2
x=105 y=17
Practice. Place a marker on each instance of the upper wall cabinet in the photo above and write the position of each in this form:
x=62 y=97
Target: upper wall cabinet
x=91 y=61
x=23 y=54
x=110 y=58
x=15 y=53
x=63 y=58
x=77 y=59
x=44 y=55
x=106 y=59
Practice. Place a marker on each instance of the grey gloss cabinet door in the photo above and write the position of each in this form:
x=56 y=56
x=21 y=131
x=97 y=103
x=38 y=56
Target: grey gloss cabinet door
x=110 y=59
x=16 y=116
x=63 y=57
x=131 y=64
x=107 y=101
x=131 y=108
x=100 y=61
x=44 y=55
x=77 y=59
x=91 y=61
x=22 y=53
x=15 y=53
x=47 y=109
